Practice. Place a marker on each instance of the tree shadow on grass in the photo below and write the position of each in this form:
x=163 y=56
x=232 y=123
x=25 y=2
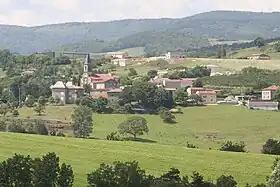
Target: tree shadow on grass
x=140 y=140
x=171 y=122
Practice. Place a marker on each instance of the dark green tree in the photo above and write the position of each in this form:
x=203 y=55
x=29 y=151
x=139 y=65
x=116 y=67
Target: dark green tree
x=127 y=174
x=4 y=109
x=132 y=72
x=166 y=116
x=135 y=126
x=30 y=101
x=66 y=176
x=197 y=83
x=226 y=181
x=259 y=42
x=181 y=97
x=39 y=109
x=82 y=122
x=152 y=74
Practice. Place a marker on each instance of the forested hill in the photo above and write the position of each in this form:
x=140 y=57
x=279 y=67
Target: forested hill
x=229 y=25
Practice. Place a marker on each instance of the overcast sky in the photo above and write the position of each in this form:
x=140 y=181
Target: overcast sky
x=39 y=12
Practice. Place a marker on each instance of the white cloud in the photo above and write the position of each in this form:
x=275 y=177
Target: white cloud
x=38 y=12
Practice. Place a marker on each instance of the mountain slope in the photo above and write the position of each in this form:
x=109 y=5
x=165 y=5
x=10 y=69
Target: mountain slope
x=218 y=24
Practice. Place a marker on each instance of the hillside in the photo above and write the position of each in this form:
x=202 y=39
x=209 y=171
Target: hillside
x=218 y=24
x=86 y=155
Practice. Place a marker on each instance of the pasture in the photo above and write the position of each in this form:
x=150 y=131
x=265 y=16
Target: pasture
x=85 y=155
x=206 y=127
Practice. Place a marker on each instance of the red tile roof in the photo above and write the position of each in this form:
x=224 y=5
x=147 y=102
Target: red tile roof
x=188 y=80
x=102 y=78
x=272 y=88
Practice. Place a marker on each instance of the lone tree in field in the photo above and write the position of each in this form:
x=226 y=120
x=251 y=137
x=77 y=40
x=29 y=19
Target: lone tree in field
x=82 y=122
x=39 y=109
x=135 y=126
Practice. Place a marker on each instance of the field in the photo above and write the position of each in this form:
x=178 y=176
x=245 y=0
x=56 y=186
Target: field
x=221 y=65
x=206 y=127
x=86 y=155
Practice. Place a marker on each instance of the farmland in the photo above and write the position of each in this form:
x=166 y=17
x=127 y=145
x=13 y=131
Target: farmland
x=86 y=155
x=206 y=127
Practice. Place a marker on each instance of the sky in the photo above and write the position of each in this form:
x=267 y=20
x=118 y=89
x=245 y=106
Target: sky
x=40 y=12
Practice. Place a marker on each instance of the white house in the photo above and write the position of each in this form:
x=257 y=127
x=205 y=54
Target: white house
x=269 y=93
x=120 y=62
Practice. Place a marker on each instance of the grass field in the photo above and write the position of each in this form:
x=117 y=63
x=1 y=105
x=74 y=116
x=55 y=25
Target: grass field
x=86 y=155
x=205 y=127
x=135 y=51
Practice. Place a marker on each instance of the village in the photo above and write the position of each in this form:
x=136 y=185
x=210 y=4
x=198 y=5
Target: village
x=108 y=85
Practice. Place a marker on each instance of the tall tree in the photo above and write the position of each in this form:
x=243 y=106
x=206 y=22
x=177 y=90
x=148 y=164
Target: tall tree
x=135 y=126
x=82 y=122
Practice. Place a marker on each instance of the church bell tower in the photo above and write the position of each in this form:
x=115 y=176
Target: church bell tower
x=85 y=71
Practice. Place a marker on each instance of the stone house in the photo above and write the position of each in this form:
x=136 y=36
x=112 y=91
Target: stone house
x=208 y=96
x=66 y=93
x=259 y=57
x=269 y=92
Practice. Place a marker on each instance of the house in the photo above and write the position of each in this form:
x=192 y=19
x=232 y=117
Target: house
x=208 y=96
x=174 y=84
x=117 y=54
x=103 y=82
x=175 y=54
x=263 y=105
x=120 y=62
x=259 y=57
x=66 y=93
x=269 y=93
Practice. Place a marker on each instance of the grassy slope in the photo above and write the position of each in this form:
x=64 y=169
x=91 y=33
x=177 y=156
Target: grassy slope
x=206 y=127
x=86 y=155
x=136 y=51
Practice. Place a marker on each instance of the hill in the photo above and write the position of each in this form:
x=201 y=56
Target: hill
x=229 y=25
x=85 y=155
x=218 y=124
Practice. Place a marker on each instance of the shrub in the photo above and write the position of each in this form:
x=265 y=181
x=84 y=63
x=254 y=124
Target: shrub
x=166 y=116
x=272 y=147
x=226 y=181
x=15 y=113
x=3 y=126
x=113 y=136
x=37 y=127
x=16 y=126
x=61 y=134
x=233 y=147
x=189 y=145
x=30 y=101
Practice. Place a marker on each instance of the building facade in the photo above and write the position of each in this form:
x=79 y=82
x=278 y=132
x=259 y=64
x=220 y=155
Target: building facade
x=263 y=105
x=269 y=93
x=117 y=55
x=66 y=93
x=175 y=54
x=208 y=96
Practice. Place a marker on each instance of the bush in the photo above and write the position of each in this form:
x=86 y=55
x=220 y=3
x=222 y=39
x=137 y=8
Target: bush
x=226 y=181
x=272 y=147
x=113 y=136
x=166 y=116
x=37 y=127
x=61 y=134
x=16 y=126
x=233 y=147
x=15 y=113
x=189 y=145
x=3 y=126
x=30 y=101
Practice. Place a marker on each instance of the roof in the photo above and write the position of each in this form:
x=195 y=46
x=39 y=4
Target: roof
x=58 y=84
x=103 y=78
x=196 y=89
x=272 y=88
x=188 y=80
x=263 y=103
x=116 y=53
x=206 y=92
x=70 y=85
x=260 y=55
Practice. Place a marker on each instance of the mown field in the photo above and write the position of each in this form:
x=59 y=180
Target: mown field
x=86 y=155
x=206 y=127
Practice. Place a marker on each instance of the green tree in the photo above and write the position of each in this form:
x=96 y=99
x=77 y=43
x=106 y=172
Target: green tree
x=127 y=174
x=39 y=109
x=197 y=83
x=132 y=72
x=166 y=116
x=181 y=97
x=66 y=176
x=8 y=96
x=226 y=181
x=277 y=95
x=274 y=178
x=82 y=122
x=15 y=113
x=30 y=101
x=87 y=88
x=135 y=126
x=259 y=42
x=3 y=125
x=152 y=74
x=42 y=101
x=38 y=126
x=233 y=147
x=51 y=100
x=4 y=109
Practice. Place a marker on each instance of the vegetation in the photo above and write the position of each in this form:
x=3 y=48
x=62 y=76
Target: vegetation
x=82 y=122
x=218 y=24
x=272 y=147
x=39 y=172
x=135 y=126
x=233 y=147
x=246 y=168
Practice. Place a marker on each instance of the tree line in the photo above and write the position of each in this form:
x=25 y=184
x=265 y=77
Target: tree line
x=24 y=171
